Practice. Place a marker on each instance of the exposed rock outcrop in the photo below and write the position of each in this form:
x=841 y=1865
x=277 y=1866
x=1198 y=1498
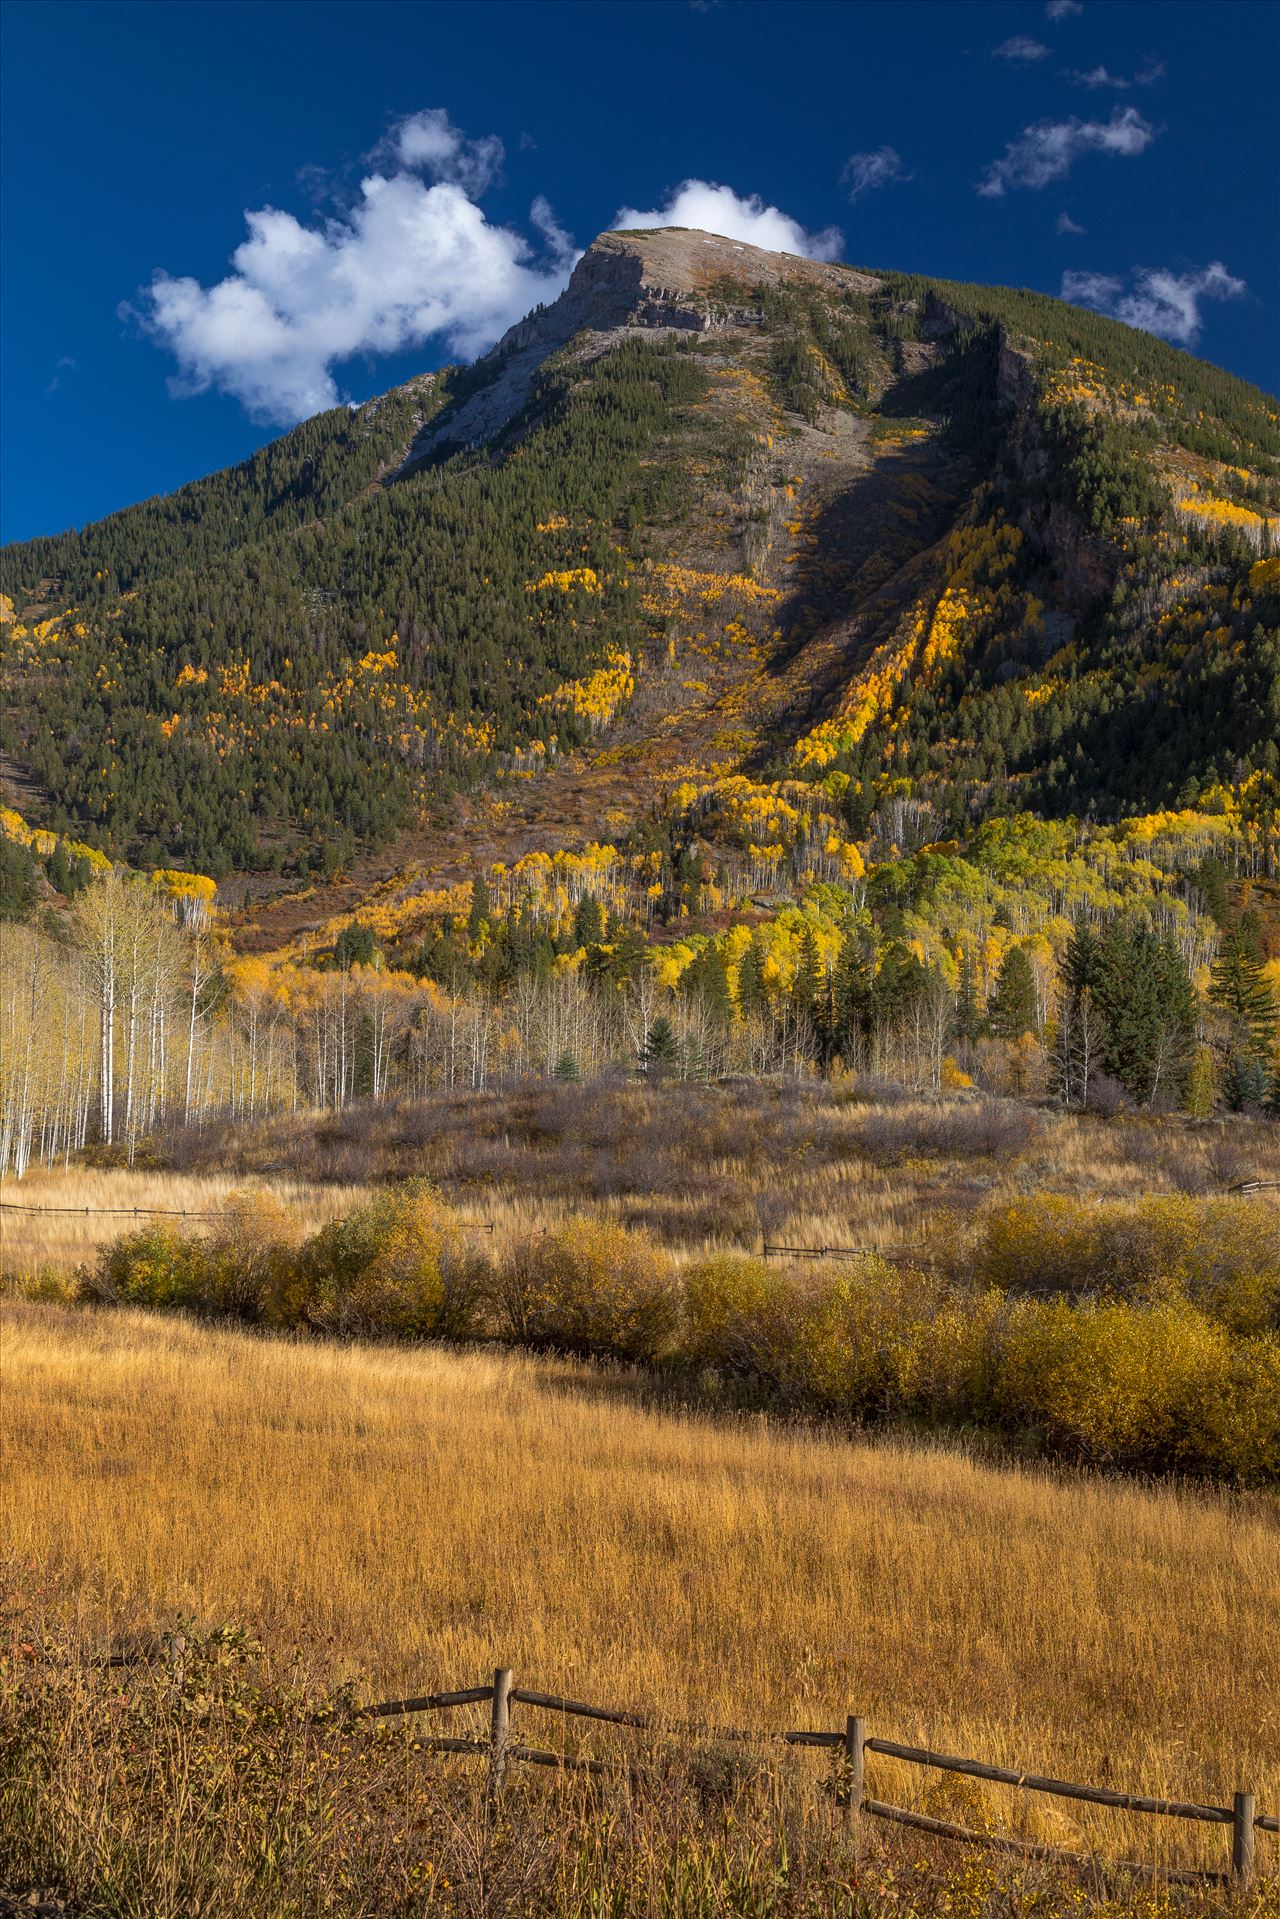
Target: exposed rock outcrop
x=670 y=278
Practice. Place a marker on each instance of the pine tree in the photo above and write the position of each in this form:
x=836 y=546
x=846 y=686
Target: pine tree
x=853 y=995
x=661 y=1049
x=706 y=979
x=1239 y=986
x=1144 y=993
x=753 y=988
x=966 y=1022
x=1014 y=1005
x=807 y=987
x=478 y=917
x=588 y=921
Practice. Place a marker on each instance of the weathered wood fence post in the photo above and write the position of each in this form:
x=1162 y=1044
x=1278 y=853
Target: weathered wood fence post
x=499 y=1733
x=175 y=1659
x=850 y=1793
x=1242 y=1838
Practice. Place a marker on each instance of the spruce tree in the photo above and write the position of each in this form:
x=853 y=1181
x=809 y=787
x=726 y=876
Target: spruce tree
x=1144 y=993
x=480 y=906
x=966 y=1022
x=1239 y=986
x=661 y=1049
x=588 y=921
x=1014 y=1005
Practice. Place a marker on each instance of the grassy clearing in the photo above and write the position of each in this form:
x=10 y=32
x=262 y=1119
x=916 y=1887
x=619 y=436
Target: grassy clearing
x=702 y=1168
x=410 y=1518
x=56 y=1242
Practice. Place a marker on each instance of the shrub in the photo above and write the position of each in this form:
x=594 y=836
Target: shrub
x=739 y=1316
x=591 y=1287
x=1221 y=1253
x=859 y=1338
x=397 y=1266
x=1234 y=1422
x=249 y=1258
x=1113 y=1382
x=156 y=1266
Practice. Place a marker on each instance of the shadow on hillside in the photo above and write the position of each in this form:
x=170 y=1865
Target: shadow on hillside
x=850 y=580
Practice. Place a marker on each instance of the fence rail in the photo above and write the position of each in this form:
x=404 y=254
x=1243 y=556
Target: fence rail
x=174 y=1212
x=852 y=1744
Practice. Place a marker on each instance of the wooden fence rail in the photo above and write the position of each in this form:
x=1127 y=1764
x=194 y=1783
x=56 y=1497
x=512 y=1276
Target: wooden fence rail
x=853 y=1743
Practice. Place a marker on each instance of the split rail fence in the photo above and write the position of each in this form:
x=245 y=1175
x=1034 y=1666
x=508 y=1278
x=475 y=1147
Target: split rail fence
x=851 y=1745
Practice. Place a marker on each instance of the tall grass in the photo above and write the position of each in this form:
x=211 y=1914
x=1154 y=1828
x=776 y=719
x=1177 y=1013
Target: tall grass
x=408 y=1518
x=1159 y=1348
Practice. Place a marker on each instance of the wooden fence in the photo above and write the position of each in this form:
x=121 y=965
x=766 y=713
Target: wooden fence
x=851 y=1746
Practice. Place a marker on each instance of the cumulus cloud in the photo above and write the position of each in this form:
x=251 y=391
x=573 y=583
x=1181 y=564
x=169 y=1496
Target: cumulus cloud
x=1048 y=150
x=429 y=142
x=864 y=172
x=1154 y=298
x=715 y=209
x=1056 y=10
x=1067 y=225
x=1021 y=49
x=410 y=259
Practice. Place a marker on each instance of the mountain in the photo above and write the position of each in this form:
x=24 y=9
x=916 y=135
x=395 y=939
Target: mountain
x=731 y=549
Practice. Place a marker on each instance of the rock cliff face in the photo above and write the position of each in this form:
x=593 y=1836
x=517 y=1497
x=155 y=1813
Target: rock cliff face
x=670 y=278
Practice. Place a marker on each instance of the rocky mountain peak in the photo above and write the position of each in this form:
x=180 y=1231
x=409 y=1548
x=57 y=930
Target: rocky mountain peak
x=654 y=277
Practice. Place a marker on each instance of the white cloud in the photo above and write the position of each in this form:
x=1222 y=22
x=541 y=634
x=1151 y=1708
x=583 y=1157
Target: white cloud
x=1155 y=299
x=429 y=142
x=1096 y=77
x=714 y=209
x=1048 y=150
x=406 y=262
x=1067 y=225
x=864 y=172
x=1056 y=10
x=1021 y=48
x=1146 y=76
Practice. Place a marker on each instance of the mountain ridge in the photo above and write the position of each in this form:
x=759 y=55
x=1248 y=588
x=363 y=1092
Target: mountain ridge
x=704 y=495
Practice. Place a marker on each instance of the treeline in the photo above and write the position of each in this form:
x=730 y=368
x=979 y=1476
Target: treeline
x=311 y=685
x=1157 y=1348
x=1209 y=411
x=307 y=475
x=127 y=1014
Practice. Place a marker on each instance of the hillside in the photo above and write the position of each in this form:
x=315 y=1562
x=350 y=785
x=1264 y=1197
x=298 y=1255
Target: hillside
x=381 y=607
x=795 y=641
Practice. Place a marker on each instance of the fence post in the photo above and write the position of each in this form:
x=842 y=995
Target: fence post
x=499 y=1732
x=1242 y=1838
x=850 y=1793
x=175 y=1659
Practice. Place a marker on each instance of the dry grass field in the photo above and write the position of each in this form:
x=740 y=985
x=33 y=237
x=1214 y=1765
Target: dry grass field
x=409 y=1518
x=74 y=1211
x=699 y=1167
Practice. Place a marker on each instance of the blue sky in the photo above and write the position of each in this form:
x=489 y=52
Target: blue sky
x=403 y=179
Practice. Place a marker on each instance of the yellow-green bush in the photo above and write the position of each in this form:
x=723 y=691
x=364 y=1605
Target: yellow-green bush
x=1161 y=1367
x=591 y=1287
x=1112 y=1381
x=857 y=1337
x=739 y=1316
x=248 y=1264
x=155 y=1266
x=397 y=1266
x=1223 y=1253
